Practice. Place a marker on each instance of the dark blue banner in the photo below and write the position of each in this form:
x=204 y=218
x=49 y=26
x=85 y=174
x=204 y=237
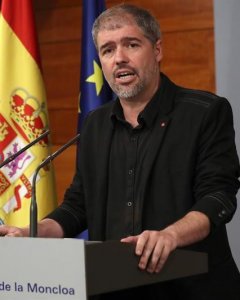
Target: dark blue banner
x=94 y=91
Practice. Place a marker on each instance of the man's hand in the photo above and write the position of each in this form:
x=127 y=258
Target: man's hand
x=46 y=228
x=153 y=247
x=12 y=231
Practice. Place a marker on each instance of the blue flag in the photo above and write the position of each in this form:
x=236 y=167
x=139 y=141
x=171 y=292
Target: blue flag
x=94 y=90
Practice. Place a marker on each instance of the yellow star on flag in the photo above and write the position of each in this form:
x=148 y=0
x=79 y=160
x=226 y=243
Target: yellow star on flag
x=96 y=77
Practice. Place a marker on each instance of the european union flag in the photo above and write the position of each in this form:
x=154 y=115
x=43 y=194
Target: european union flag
x=94 y=89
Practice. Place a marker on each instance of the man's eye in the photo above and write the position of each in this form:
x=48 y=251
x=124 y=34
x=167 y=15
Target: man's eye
x=133 y=45
x=107 y=51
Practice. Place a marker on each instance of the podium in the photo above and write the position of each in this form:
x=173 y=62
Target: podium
x=44 y=268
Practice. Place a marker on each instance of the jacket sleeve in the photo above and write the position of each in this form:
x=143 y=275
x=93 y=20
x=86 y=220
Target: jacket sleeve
x=70 y=214
x=217 y=169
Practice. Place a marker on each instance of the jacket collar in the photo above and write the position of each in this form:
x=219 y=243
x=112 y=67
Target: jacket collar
x=161 y=103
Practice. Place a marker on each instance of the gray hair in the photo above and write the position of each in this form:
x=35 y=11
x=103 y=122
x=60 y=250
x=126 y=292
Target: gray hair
x=118 y=15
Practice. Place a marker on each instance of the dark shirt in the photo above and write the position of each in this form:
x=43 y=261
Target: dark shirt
x=128 y=150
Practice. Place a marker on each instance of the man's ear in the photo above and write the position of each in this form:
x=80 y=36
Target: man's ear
x=158 y=50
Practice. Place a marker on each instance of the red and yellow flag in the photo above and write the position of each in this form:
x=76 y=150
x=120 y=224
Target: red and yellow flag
x=23 y=116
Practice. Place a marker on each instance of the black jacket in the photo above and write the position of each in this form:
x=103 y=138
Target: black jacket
x=191 y=164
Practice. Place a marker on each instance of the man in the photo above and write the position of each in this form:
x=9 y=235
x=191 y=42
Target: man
x=158 y=167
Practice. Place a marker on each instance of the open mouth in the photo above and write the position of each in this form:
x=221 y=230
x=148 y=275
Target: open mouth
x=125 y=75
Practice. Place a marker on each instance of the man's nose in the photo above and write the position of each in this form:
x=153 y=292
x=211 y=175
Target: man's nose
x=121 y=56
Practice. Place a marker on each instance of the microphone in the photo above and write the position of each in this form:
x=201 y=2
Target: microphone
x=15 y=155
x=33 y=205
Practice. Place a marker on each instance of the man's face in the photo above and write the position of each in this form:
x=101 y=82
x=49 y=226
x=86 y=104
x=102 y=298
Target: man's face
x=130 y=62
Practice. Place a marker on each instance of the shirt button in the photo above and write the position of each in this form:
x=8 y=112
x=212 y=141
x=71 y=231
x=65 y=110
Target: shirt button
x=130 y=172
x=129 y=203
x=222 y=213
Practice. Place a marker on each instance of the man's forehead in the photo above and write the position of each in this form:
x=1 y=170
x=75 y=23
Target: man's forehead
x=116 y=22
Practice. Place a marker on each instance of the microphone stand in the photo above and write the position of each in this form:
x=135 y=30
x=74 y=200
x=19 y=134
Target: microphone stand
x=33 y=205
x=12 y=157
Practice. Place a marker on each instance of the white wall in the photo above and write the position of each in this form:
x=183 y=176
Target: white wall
x=227 y=51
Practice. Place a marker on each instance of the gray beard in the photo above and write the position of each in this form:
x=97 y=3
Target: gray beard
x=128 y=92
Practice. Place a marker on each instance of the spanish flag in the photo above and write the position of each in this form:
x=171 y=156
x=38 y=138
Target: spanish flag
x=23 y=116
